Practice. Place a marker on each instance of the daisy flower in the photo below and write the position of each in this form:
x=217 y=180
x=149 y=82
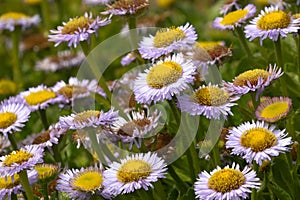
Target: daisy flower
x=13 y=115
x=271 y=23
x=273 y=109
x=63 y=60
x=137 y=127
x=227 y=183
x=257 y=141
x=228 y=6
x=77 y=29
x=125 y=7
x=77 y=89
x=167 y=40
x=88 y=118
x=11 y=20
x=164 y=79
x=11 y=184
x=25 y=158
x=134 y=172
x=40 y=97
x=82 y=184
x=253 y=80
x=46 y=172
x=7 y=87
x=235 y=18
x=210 y=101
x=126 y=60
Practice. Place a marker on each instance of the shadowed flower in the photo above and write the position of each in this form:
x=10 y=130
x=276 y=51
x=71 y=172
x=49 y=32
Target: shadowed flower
x=7 y=87
x=77 y=29
x=257 y=141
x=124 y=7
x=164 y=79
x=227 y=183
x=11 y=20
x=235 y=18
x=271 y=23
x=167 y=40
x=133 y=173
x=46 y=172
x=273 y=109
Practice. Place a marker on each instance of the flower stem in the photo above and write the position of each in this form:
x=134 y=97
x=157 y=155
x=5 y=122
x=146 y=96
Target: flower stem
x=254 y=101
x=25 y=183
x=95 y=145
x=45 y=191
x=44 y=119
x=216 y=155
x=132 y=30
x=13 y=142
x=182 y=186
x=174 y=111
x=298 y=48
x=253 y=191
x=17 y=75
x=242 y=39
x=45 y=14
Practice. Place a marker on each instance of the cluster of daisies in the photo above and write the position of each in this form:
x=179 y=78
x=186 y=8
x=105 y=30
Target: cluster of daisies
x=176 y=74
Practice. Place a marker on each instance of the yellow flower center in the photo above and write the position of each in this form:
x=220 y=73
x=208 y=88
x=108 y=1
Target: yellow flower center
x=128 y=128
x=207 y=45
x=166 y=36
x=13 y=16
x=17 y=157
x=88 y=181
x=76 y=23
x=251 y=76
x=8 y=182
x=32 y=2
x=70 y=90
x=45 y=170
x=164 y=74
x=258 y=139
x=275 y=110
x=38 y=97
x=7 y=87
x=233 y=17
x=133 y=170
x=86 y=115
x=7 y=119
x=274 y=20
x=226 y=180
x=210 y=96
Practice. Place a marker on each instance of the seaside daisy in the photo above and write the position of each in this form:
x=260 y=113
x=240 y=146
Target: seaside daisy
x=253 y=80
x=229 y=6
x=88 y=118
x=271 y=23
x=226 y=183
x=23 y=159
x=63 y=60
x=11 y=20
x=164 y=79
x=125 y=7
x=46 y=172
x=11 y=184
x=134 y=172
x=211 y=101
x=273 y=109
x=7 y=87
x=126 y=60
x=77 y=89
x=13 y=115
x=40 y=97
x=77 y=29
x=82 y=184
x=257 y=141
x=235 y=18
x=167 y=40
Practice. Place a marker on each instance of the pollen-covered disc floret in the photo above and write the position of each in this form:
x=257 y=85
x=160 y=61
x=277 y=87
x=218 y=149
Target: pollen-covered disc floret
x=11 y=184
x=167 y=40
x=82 y=183
x=125 y=7
x=22 y=159
x=77 y=29
x=257 y=141
x=253 y=80
x=134 y=172
x=88 y=118
x=11 y=20
x=227 y=183
x=271 y=23
x=273 y=109
x=165 y=79
x=234 y=18
x=211 y=101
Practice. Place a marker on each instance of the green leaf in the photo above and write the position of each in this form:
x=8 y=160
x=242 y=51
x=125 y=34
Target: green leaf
x=173 y=194
x=279 y=192
x=190 y=194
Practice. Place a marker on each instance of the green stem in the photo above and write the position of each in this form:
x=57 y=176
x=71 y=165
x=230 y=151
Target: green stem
x=145 y=195
x=43 y=116
x=95 y=145
x=298 y=48
x=191 y=163
x=17 y=74
x=14 y=196
x=25 y=183
x=254 y=191
x=13 y=142
x=45 y=191
x=216 y=155
x=242 y=39
x=132 y=26
x=45 y=14
x=174 y=111
x=182 y=186
x=254 y=102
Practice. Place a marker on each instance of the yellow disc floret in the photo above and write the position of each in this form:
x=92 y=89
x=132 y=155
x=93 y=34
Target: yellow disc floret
x=210 y=96
x=39 y=97
x=166 y=36
x=274 y=20
x=7 y=119
x=233 y=17
x=9 y=182
x=86 y=115
x=88 y=181
x=17 y=157
x=275 y=110
x=75 y=24
x=13 y=16
x=251 y=76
